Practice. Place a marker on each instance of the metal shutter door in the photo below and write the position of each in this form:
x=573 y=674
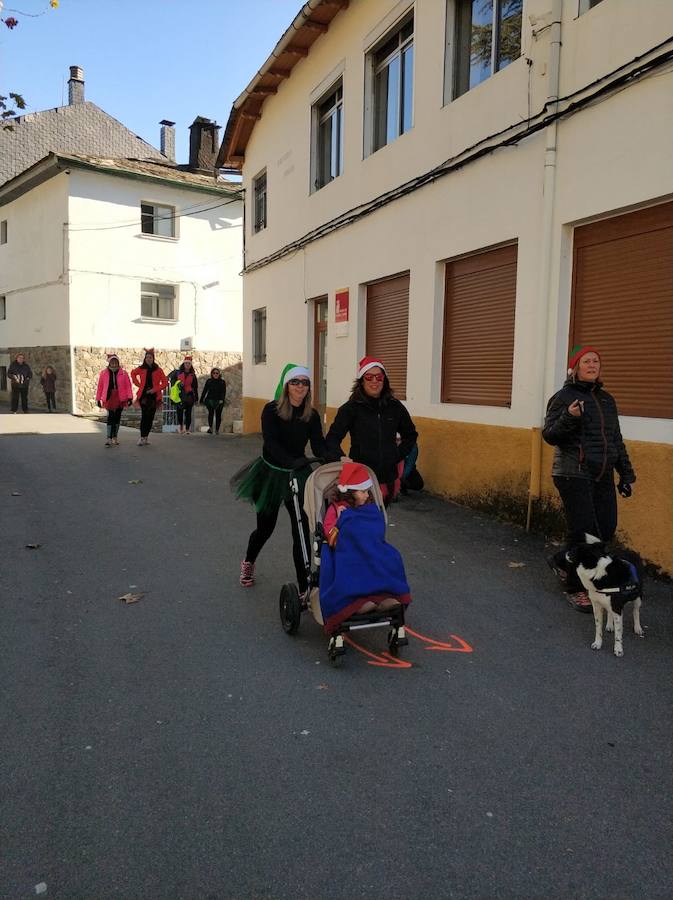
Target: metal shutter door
x=388 y=328
x=478 y=348
x=623 y=304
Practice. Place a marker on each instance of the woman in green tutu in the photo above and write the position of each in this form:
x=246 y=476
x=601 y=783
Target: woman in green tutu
x=288 y=423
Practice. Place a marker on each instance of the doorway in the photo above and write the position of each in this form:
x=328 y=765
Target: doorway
x=320 y=356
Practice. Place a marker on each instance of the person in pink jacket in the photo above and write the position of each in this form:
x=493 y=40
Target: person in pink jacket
x=114 y=393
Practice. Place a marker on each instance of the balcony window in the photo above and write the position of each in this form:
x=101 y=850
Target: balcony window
x=392 y=65
x=328 y=130
x=487 y=39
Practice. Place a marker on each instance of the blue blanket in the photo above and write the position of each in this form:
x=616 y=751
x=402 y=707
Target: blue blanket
x=361 y=567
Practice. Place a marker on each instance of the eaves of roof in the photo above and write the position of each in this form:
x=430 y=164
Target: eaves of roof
x=312 y=21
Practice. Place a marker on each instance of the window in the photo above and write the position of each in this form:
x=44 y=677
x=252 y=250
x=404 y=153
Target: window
x=586 y=5
x=3 y=378
x=487 y=38
x=259 y=335
x=392 y=71
x=259 y=200
x=157 y=301
x=157 y=219
x=3 y=307
x=328 y=131
x=478 y=344
x=3 y=231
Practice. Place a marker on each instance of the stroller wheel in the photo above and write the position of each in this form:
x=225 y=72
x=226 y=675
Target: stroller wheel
x=289 y=606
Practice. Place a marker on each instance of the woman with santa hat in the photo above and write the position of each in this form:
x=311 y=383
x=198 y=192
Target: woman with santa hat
x=374 y=418
x=150 y=380
x=289 y=422
x=582 y=424
x=114 y=393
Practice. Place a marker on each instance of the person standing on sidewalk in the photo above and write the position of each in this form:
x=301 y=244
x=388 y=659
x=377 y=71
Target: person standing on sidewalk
x=20 y=373
x=288 y=423
x=213 y=396
x=374 y=417
x=114 y=393
x=582 y=424
x=48 y=382
x=189 y=394
x=150 y=380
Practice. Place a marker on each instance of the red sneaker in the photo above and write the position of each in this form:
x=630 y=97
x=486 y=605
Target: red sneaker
x=247 y=578
x=580 y=601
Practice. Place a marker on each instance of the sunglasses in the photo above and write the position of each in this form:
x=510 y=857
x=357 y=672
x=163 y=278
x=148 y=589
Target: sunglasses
x=300 y=382
x=373 y=377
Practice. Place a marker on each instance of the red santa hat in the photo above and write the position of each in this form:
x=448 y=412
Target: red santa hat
x=187 y=359
x=367 y=363
x=354 y=477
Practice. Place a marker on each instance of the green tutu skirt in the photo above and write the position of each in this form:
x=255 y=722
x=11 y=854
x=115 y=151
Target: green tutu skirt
x=267 y=487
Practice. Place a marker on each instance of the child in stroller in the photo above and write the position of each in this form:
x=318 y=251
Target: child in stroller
x=357 y=580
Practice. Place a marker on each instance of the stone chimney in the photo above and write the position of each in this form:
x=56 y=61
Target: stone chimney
x=167 y=145
x=203 y=145
x=76 y=85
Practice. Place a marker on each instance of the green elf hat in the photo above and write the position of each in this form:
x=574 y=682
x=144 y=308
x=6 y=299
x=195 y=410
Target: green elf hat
x=291 y=370
x=578 y=352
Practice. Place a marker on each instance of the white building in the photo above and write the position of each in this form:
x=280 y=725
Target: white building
x=468 y=189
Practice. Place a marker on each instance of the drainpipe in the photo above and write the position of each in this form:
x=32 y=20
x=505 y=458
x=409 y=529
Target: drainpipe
x=545 y=321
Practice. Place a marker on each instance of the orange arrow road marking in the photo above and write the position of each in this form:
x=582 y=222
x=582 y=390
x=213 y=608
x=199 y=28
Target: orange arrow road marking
x=384 y=659
x=463 y=646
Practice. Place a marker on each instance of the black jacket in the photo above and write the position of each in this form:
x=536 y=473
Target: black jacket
x=214 y=391
x=373 y=425
x=20 y=374
x=590 y=445
x=285 y=442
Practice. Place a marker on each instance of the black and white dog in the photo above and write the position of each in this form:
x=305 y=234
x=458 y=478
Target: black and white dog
x=610 y=583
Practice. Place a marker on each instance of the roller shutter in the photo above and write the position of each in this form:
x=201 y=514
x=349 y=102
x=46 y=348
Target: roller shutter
x=623 y=304
x=388 y=328
x=478 y=346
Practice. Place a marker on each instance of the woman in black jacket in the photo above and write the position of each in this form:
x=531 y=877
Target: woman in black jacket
x=582 y=423
x=374 y=417
x=288 y=423
x=213 y=396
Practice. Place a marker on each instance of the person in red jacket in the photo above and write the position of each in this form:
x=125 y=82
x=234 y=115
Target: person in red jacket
x=151 y=381
x=189 y=394
x=114 y=393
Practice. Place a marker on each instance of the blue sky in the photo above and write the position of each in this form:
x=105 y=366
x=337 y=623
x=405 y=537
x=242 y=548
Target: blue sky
x=143 y=60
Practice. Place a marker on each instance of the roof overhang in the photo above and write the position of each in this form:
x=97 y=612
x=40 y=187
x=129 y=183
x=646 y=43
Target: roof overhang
x=312 y=21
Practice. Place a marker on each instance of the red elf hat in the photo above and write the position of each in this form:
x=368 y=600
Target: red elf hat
x=578 y=352
x=367 y=363
x=354 y=477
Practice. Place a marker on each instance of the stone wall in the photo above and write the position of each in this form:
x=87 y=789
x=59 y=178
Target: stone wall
x=38 y=358
x=88 y=362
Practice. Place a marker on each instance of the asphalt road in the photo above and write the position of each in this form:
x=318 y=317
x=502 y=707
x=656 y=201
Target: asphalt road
x=185 y=747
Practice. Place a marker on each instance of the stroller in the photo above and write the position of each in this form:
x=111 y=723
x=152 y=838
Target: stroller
x=318 y=492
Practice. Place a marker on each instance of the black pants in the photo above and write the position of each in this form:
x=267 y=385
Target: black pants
x=21 y=390
x=185 y=413
x=146 y=418
x=51 y=400
x=217 y=412
x=114 y=417
x=590 y=508
x=266 y=524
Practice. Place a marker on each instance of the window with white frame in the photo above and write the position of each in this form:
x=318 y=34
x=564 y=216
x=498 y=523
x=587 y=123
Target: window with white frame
x=259 y=335
x=158 y=301
x=328 y=136
x=392 y=84
x=3 y=307
x=259 y=202
x=3 y=231
x=157 y=219
x=487 y=38
x=586 y=5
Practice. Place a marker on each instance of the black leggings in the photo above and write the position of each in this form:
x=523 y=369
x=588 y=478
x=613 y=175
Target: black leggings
x=146 y=418
x=185 y=412
x=114 y=417
x=22 y=392
x=266 y=523
x=51 y=399
x=590 y=508
x=217 y=412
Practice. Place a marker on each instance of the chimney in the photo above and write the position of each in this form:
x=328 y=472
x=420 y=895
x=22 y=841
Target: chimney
x=76 y=85
x=167 y=145
x=203 y=145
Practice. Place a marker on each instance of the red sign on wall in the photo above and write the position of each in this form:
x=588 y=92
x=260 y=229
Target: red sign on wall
x=341 y=306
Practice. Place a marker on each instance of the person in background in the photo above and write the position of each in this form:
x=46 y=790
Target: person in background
x=48 y=382
x=19 y=374
x=213 y=396
x=189 y=394
x=582 y=424
x=150 y=380
x=114 y=393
